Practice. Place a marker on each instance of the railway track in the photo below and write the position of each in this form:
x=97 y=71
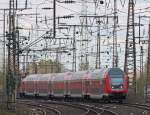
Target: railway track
x=101 y=111
x=58 y=107
x=95 y=108
x=140 y=106
x=144 y=107
x=40 y=109
x=122 y=109
x=37 y=111
x=128 y=108
x=90 y=108
x=85 y=109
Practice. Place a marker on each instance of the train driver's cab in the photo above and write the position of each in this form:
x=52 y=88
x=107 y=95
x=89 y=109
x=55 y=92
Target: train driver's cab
x=116 y=77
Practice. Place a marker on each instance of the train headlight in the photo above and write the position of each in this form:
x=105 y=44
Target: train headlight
x=121 y=86
x=112 y=87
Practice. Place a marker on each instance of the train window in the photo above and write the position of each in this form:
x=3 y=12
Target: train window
x=59 y=77
x=78 y=75
x=97 y=74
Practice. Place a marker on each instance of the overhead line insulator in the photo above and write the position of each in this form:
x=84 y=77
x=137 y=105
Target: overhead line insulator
x=68 y=1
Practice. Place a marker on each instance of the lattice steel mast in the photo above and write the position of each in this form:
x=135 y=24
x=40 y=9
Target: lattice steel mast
x=84 y=60
x=147 y=96
x=130 y=51
x=12 y=64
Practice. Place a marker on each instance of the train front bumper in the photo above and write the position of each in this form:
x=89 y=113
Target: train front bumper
x=117 y=96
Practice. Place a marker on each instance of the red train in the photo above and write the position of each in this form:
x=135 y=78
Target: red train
x=105 y=84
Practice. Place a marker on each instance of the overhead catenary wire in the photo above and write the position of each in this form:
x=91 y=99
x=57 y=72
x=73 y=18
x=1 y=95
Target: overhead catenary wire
x=75 y=12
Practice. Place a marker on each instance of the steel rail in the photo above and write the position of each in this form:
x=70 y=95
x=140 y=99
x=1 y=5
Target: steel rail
x=34 y=104
x=97 y=110
x=137 y=105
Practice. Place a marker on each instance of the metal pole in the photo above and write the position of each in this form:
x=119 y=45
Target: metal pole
x=147 y=97
x=141 y=61
x=74 y=49
x=17 y=53
x=4 y=41
x=59 y=61
x=98 y=60
x=24 y=65
x=115 y=59
x=141 y=54
x=54 y=29
x=4 y=54
x=54 y=19
x=139 y=29
x=17 y=48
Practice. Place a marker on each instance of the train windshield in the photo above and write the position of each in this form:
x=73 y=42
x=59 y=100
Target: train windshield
x=116 y=80
x=116 y=76
x=115 y=73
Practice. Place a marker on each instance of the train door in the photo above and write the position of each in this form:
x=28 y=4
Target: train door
x=66 y=88
x=103 y=85
x=50 y=88
x=22 y=87
x=76 y=87
x=67 y=79
x=58 y=85
x=87 y=88
x=66 y=91
x=83 y=87
x=36 y=82
x=86 y=85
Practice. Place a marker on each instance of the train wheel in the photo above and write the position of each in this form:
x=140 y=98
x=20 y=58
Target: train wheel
x=36 y=95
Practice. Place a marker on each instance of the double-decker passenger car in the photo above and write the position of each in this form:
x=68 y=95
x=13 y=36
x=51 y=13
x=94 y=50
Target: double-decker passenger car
x=105 y=84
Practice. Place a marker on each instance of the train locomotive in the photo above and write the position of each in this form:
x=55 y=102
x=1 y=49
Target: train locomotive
x=105 y=84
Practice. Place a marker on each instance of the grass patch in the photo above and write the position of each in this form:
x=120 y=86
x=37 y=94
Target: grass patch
x=21 y=110
x=139 y=97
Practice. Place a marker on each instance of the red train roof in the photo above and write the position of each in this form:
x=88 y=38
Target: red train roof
x=90 y=74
